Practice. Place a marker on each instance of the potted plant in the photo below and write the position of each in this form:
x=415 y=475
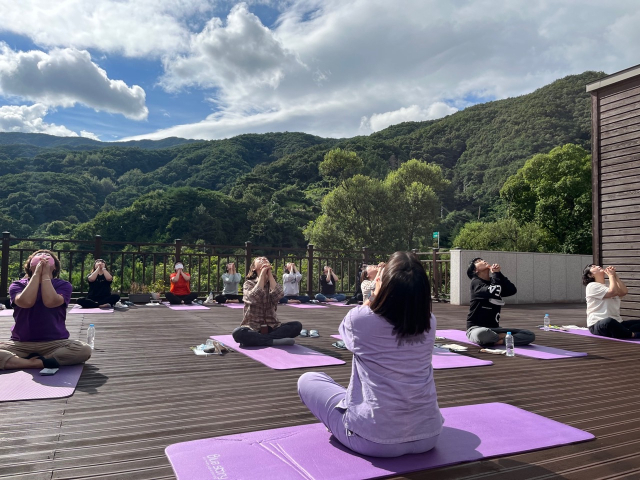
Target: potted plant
x=139 y=293
x=157 y=288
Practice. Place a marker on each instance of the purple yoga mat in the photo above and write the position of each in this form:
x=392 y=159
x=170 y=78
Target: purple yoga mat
x=30 y=385
x=305 y=305
x=341 y=304
x=233 y=305
x=443 y=359
x=309 y=452
x=185 y=307
x=587 y=333
x=282 y=357
x=533 y=350
x=77 y=309
x=6 y=313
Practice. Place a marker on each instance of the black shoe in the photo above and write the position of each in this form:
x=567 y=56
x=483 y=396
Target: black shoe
x=49 y=362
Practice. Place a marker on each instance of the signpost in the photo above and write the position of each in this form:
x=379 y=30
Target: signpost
x=437 y=235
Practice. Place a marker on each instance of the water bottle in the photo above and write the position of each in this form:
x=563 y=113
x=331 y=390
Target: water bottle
x=508 y=341
x=91 y=335
x=547 y=322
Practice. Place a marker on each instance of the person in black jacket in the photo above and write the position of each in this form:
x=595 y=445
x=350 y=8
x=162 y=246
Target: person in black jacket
x=488 y=286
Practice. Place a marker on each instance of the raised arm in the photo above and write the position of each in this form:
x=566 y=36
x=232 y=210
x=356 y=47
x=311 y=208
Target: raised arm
x=616 y=286
x=27 y=297
x=50 y=297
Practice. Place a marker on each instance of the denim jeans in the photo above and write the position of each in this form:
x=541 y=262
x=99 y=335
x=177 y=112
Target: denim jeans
x=338 y=297
x=300 y=298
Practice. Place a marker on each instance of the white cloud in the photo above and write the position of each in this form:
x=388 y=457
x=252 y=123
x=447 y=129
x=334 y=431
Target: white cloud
x=414 y=113
x=327 y=64
x=243 y=53
x=30 y=119
x=92 y=136
x=135 y=28
x=64 y=77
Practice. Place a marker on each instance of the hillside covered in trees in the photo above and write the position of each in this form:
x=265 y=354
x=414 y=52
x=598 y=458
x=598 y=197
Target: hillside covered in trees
x=268 y=188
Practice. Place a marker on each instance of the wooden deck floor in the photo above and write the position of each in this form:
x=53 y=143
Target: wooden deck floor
x=144 y=389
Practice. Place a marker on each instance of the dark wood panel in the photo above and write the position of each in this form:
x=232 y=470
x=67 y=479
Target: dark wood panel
x=610 y=220
x=615 y=156
x=627 y=203
x=631 y=107
x=608 y=104
x=621 y=250
x=596 y=166
x=631 y=173
x=619 y=118
x=621 y=126
x=620 y=146
x=629 y=192
x=625 y=238
x=626 y=185
x=631 y=228
x=615 y=97
x=619 y=138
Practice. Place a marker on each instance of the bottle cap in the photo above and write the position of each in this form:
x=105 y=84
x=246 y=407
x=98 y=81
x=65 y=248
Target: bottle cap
x=91 y=324
x=546 y=314
x=508 y=333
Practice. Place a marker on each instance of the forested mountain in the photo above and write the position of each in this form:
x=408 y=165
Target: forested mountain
x=268 y=187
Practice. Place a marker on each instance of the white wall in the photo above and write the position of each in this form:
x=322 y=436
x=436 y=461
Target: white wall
x=539 y=277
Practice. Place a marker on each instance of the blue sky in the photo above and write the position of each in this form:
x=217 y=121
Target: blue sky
x=120 y=69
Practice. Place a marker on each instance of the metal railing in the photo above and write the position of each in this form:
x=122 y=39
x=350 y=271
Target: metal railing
x=138 y=265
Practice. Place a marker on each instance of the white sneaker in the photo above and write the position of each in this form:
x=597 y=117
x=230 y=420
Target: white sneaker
x=120 y=306
x=2 y=307
x=209 y=300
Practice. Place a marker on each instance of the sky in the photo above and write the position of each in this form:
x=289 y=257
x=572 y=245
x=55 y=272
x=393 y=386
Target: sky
x=209 y=69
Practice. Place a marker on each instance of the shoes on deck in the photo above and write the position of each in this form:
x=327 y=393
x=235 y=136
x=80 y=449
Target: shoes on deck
x=209 y=300
x=120 y=307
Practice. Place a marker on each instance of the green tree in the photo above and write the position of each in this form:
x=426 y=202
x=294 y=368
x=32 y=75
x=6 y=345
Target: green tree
x=339 y=164
x=505 y=235
x=553 y=190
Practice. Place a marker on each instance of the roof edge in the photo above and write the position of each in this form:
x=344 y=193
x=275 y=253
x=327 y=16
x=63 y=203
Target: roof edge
x=614 y=78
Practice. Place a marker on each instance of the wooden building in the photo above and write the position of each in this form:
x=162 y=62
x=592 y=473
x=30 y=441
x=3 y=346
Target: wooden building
x=615 y=125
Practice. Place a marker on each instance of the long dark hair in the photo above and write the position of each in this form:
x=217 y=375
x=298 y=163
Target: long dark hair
x=587 y=276
x=56 y=268
x=404 y=299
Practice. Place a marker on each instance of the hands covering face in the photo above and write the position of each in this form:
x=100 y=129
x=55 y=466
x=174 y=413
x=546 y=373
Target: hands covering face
x=179 y=267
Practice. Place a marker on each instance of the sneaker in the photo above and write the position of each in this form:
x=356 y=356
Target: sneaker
x=197 y=301
x=209 y=300
x=2 y=307
x=129 y=304
x=120 y=306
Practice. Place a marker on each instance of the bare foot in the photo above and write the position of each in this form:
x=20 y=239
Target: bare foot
x=17 y=362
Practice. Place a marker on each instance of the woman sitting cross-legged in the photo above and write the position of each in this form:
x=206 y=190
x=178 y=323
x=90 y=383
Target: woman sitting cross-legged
x=180 y=290
x=390 y=407
x=39 y=337
x=231 y=278
x=260 y=325
x=291 y=283
x=99 y=295
x=603 y=304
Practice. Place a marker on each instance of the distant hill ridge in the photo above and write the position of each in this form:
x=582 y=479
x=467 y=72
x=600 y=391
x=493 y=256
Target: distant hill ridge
x=43 y=140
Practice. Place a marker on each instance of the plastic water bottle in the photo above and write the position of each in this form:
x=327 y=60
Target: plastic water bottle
x=91 y=335
x=508 y=341
x=547 y=322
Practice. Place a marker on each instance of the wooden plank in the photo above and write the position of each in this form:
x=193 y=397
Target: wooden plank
x=624 y=239
x=627 y=175
x=620 y=146
x=617 y=155
x=621 y=126
x=612 y=219
x=607 y=105
x=631 y=107
x=620 y=137
x=622 y=188
x=619 y=118
x=628 y=193
x=596 y=159
x=620 y=205
x=615 y=97
x=631 y=228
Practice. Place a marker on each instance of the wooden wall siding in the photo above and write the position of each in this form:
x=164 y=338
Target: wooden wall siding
x=616 y=184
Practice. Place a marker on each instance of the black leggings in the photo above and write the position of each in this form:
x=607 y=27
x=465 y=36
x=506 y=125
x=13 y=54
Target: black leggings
x=610 y=327
x=223 y=297
x=90 y=303
x=250 y=338
x=178 y=299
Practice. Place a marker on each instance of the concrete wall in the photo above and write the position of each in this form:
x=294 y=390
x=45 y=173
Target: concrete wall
x=539 y=277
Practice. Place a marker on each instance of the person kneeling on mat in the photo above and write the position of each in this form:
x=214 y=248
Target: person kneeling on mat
x=180 y=290
x=390 y=407
x=260 y=325
x=39 y=337
x=603 y=304
x=488 y=286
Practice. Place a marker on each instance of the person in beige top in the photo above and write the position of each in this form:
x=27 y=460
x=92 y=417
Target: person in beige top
x=260 y=325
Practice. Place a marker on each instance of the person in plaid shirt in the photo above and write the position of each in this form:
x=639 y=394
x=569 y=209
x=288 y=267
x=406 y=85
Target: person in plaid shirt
x=260 y=325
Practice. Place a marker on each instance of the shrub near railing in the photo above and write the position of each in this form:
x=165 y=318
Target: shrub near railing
x=147 y=263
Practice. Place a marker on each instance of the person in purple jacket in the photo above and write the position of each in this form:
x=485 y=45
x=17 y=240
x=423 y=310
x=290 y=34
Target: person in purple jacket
x=390 y=407
x=39 y=337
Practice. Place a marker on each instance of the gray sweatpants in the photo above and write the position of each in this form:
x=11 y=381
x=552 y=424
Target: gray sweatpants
x=488 y=336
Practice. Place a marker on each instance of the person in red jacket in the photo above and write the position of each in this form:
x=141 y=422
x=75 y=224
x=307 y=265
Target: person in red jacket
x=180 y=291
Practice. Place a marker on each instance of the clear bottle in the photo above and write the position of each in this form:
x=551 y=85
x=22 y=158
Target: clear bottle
x=508 y=341
x=91 y=335
x=547 y=322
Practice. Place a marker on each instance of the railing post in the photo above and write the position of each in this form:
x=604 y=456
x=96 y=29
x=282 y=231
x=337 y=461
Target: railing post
x=4 y=269
x=178 y=249
x=310 y=270
x=247 y=258
x=97 y=249
x=436 y=275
